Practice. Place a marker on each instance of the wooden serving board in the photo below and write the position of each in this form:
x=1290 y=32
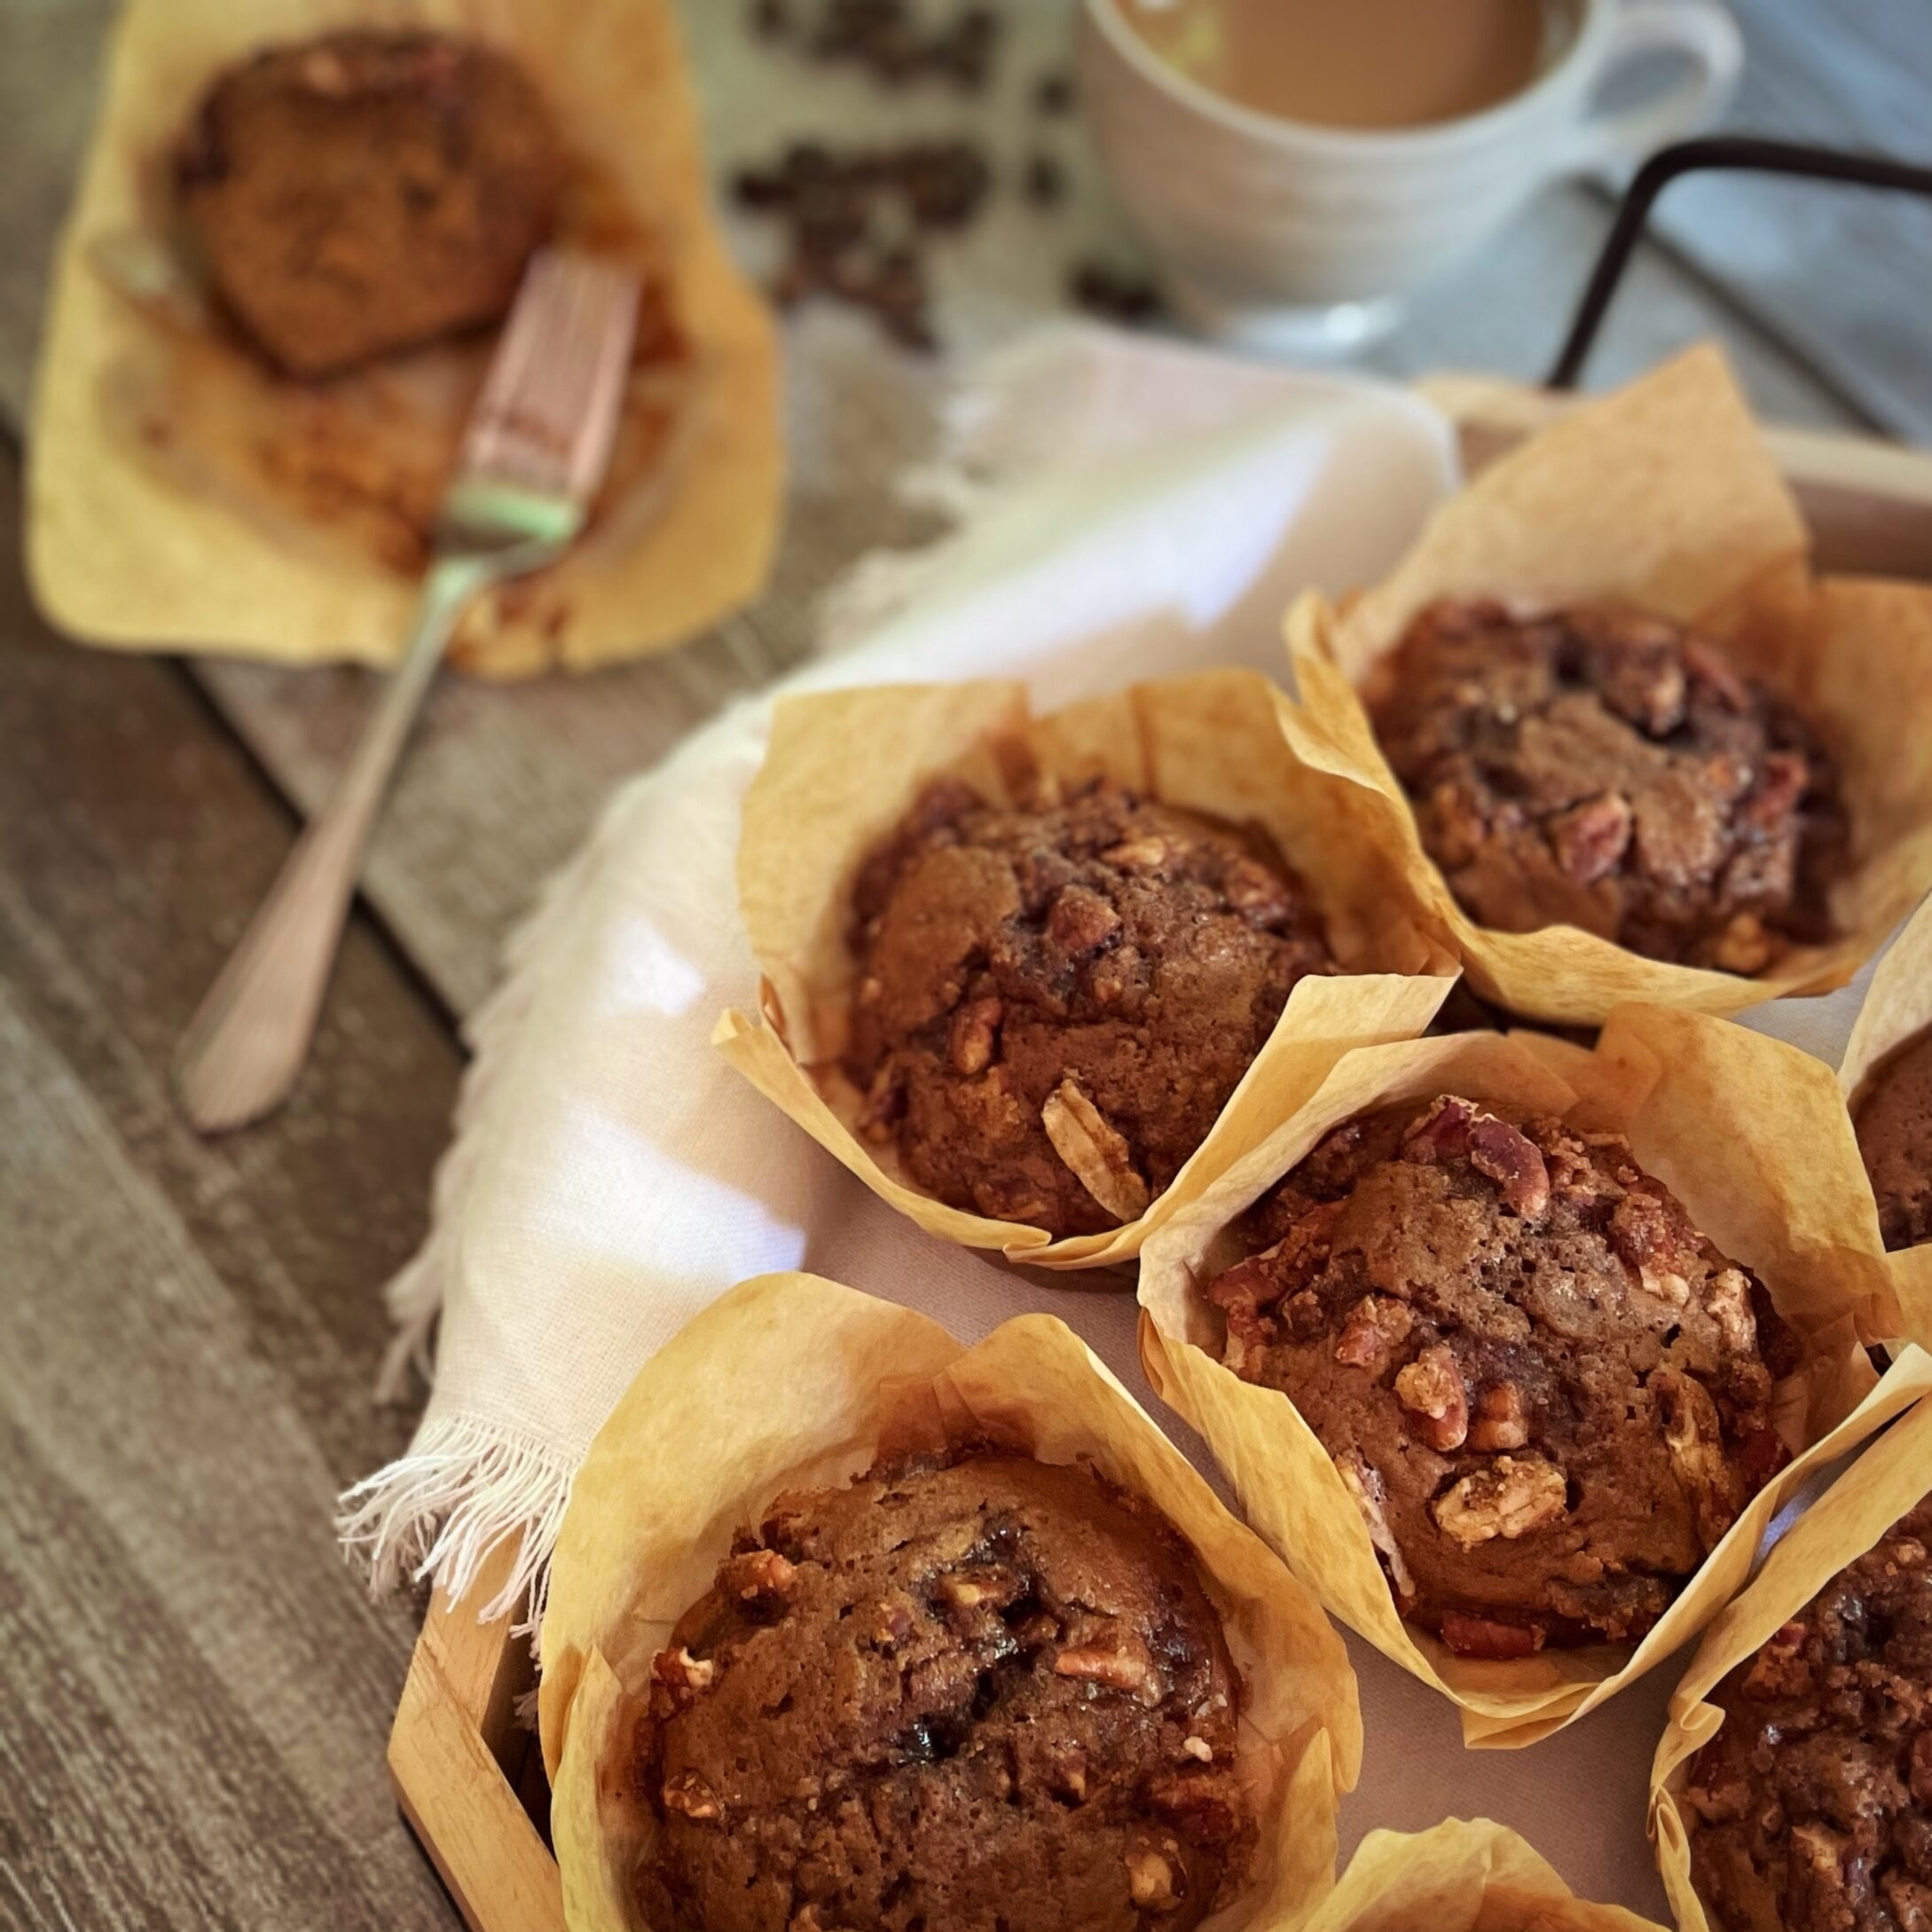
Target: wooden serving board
x=466 y=1769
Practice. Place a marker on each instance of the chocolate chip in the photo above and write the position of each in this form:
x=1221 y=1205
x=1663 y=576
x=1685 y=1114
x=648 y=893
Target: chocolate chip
x=1052 y=93
x=1114 y=294
x=1044 y=182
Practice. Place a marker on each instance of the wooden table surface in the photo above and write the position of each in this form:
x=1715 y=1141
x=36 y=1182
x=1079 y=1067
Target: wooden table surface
x=195 y=1689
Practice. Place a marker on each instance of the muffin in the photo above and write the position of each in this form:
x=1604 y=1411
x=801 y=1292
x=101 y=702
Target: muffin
x=1547 y=1394
x=1603 y=768
x=1056 y=999
x=1895 y=1135
x=367 y=191
x=1810 y=1809
x=982 y=1692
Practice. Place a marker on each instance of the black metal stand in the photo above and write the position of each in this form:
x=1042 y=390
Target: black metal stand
x=1740 y=152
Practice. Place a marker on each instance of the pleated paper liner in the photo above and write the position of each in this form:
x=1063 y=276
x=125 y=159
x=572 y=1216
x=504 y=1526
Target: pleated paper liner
x=183 y=494
x=844 y=769
x=1463 y=1875
x=1897 y=1007
x=1750 y=1135
x=1886 y=1481
x=791 y=1380
x=1663 y=495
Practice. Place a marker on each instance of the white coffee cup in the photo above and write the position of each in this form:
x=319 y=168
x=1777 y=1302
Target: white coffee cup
x=1280 y=235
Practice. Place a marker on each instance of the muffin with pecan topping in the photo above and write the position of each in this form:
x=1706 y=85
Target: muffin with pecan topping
x=1606 y=769
x=1811 y=1811
x=1895 y=1135
x=1055 y=999
x=986 y=1693
x=368 y=190
x=1548 y=1393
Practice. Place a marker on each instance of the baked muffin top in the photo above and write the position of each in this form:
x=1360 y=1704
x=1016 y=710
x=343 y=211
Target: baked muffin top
x=1811 y=1811
x=1054 y=999
x=366 y=191
x=1548 y=1394
x=1895 y=1135
x=1606 y=769
x=982 y=1694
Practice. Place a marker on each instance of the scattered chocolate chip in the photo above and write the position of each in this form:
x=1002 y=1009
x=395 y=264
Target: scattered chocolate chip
x=855 y=219
x=893 y=43
x=1044 y=182
x=1052 y=93
x=1114 y=294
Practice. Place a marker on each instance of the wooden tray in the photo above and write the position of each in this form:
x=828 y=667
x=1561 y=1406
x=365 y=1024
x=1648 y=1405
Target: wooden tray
x=467 y=1773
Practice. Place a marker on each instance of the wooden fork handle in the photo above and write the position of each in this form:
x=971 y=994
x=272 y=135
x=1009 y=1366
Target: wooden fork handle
x=248 y=1039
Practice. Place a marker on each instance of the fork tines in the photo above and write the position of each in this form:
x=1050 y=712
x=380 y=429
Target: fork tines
x=547 y=414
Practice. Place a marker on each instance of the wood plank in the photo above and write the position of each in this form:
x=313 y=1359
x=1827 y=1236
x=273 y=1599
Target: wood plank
x=197 y=1689
x=454 y=1757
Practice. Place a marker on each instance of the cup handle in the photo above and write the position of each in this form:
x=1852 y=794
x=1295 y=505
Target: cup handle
x=1705 y=35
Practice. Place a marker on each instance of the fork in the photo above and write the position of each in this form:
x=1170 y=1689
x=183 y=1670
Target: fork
x=535 y=449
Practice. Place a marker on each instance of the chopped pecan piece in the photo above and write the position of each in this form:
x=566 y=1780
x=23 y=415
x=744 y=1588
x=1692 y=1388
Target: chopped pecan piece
x=682 y=1674
x=1129 y=1670
x=1066 y=1773
x=689 y=1796
x=1745 y=946
x=1485 y=1636
x=1199 y=1750
x=757 y=1574
x=1513 y=1496
x=1138 y=854
x=1500 y=1421
x=1513 y=1161
x=1259 y=895
x=1694 y=1436
x=1378 y=1325
x=1650 y=1236
x=1432 y=1389
x=1094 y=1150
x=1153 y=1882
x=1589 y=840
x=1727 y=1294
x=1365 y=1486
x=1441 y=1133
x=974 y=1034
x=1081 y=921
x=986 y=1583
x=1206 y=1803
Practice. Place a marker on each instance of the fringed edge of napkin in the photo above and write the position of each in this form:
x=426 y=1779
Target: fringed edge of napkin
x=464 y=1489
x=467 y=1486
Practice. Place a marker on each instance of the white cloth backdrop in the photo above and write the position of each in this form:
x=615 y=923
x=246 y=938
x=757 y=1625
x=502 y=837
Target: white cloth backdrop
x=1123 y=509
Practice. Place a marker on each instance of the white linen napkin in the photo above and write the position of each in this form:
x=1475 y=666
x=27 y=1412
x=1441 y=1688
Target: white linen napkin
x=1127 y=508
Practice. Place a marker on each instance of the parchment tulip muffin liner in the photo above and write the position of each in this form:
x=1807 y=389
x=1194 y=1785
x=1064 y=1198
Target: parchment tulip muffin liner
x=1886 y=1479
x=1664 y=497
x=1471 y=1875
x=791 y=1380
x=845 y=768
x=1898 y=1008
x=1751 y=1136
